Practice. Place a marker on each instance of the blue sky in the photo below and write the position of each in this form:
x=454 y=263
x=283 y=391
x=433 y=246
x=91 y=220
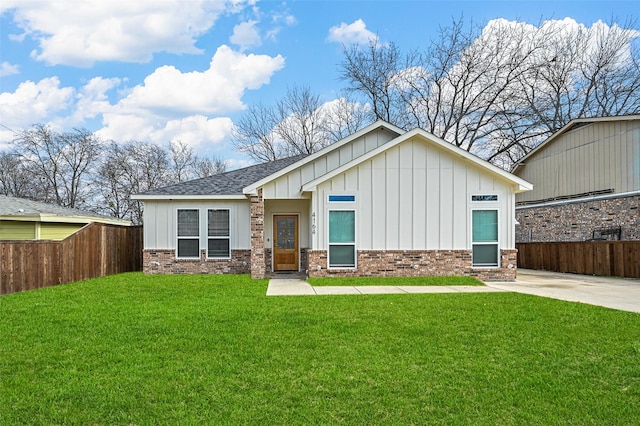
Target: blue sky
x=168 y=69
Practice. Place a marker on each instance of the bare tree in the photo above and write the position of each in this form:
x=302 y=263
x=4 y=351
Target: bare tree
x=210 y=166
x=182 y=161
x=299 y=123
x=499 y=90
x=60 y=162
x=253 y=134
x=128 y=169
x=15 y=179
x=370 y=71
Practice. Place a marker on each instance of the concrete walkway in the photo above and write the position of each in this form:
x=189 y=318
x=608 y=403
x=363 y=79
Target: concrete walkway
x=298 y=287
x=615 y=293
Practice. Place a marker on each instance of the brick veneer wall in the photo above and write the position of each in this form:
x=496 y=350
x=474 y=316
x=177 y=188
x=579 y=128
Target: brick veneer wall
x=576 y=221
x=258 y=262
x=415 y=263
x=165 y=262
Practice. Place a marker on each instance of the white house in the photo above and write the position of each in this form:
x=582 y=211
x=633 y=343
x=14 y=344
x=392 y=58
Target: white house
x=381 y=202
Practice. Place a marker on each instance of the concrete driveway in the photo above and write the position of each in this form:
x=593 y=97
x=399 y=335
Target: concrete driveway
x=615 y=293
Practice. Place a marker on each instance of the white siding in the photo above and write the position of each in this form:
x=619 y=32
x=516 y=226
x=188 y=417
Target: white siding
x=595 y=157
x=288 y=186
x=160 y=222
x=415 y=196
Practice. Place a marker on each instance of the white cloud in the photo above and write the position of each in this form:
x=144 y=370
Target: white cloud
x=82 y=32
x=172 y=105
x=246 y=35
x=170 y=93
x=33 y=102
x=9 y=69
x=168 y=105
x=195 y=130
x=354 y=33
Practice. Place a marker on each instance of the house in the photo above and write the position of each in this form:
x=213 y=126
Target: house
x=381 y=202
x=22 y=219
x=587 y=183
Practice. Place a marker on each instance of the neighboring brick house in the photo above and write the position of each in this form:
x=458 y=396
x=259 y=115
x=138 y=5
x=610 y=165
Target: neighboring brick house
x=381 y=202
x=586 y=183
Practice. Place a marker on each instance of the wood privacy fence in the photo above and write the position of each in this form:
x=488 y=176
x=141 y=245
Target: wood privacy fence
x=607 y=258
x=94 y=251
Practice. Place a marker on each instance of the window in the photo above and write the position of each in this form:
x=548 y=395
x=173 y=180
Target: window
x=342 y=198
x=485 y=237
x=188 y=233
x=218 y=236
x=492 y=197
x=342 y=239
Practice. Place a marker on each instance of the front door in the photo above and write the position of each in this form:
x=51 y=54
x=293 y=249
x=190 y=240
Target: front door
x=285 y=243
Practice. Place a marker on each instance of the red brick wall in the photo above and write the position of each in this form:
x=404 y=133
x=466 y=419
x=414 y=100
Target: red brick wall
x=165 y=262
x=576 y=221
x=415 y=263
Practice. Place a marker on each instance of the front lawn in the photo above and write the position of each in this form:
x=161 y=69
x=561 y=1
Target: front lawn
x=135 y=349
x=394 y=281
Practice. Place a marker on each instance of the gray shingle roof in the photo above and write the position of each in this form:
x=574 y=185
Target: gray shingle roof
x=229 y=183
x=12 y=206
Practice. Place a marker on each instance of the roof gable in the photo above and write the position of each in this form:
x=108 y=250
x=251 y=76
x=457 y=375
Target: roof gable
x=521 y=184
x=378 y=125
x=572 y=125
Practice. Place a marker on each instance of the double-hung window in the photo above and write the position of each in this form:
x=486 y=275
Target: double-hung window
x=484 y=230
x=218 y=234
x=342 y=238
x=188 y=233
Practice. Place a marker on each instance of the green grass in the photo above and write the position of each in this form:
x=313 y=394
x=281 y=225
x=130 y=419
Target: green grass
x=138 y=350
x=394 y=281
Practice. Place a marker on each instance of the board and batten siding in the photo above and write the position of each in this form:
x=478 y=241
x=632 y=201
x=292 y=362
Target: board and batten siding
x=595 y=157
x=160 y=222
x=288 y=186
x=415 y=196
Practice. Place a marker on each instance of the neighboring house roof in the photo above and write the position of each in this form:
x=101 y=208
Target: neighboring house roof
x=573 y=124
x=521 y=184
x=226 y=185
x=13 y=208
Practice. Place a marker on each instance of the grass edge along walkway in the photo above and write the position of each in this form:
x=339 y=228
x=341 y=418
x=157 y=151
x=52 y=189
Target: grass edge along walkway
x=395 y=281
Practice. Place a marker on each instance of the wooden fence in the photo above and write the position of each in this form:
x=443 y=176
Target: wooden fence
x=607 y=258
x=94 y=251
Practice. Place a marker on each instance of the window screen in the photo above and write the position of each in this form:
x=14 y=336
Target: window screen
x=188 y=233
x=218 y=233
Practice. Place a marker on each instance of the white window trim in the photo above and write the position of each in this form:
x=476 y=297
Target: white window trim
x=355 y=238
x=497 y=243
x=228 y=237
x=178 y=237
